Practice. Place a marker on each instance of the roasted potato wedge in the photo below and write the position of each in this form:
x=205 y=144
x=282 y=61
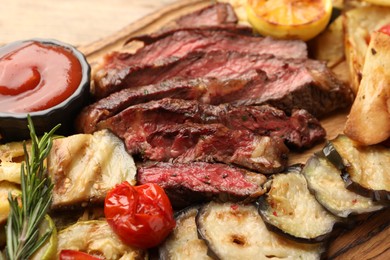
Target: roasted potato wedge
x=369 y=120
x=359 y=24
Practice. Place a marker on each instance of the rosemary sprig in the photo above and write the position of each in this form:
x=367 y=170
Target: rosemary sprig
x=23 y=223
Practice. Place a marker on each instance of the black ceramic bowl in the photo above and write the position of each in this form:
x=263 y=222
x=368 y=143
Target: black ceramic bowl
x=13 y=126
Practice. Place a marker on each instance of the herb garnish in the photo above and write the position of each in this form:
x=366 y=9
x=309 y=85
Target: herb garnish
x=23 y=222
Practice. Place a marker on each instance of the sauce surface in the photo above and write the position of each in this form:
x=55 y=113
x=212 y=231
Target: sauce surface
x=35 y=76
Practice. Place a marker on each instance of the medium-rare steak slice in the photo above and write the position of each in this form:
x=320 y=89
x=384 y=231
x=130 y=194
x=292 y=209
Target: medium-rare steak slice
x=210 y=30
x=215 y=14
x=196 y=182
x=299 y=131
x=191 y=142
x=289 y=84
x=181 y=42
x=206 y=90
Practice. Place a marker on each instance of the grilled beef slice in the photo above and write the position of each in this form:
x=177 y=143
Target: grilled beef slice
x=215 y=14
x=196 y=182
x=301 y=130
x=205 y=90
x=285 y=83
x=185 y=41
x=191 y=142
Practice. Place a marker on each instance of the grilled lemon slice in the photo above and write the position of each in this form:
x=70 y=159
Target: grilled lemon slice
x=289 y=19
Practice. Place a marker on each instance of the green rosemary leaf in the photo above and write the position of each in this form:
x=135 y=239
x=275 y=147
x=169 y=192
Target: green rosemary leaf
x=23 y=223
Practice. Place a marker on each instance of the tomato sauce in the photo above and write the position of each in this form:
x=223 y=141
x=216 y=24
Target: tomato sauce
x=35 y=76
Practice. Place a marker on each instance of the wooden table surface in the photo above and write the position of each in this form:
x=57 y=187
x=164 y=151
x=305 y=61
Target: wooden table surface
x=78 y=22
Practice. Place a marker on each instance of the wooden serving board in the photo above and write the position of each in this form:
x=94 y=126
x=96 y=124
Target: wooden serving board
x=369 y=238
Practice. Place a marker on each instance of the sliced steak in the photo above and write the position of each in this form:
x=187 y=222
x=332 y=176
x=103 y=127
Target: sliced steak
x=206 y=31
x=196 y=182
x=191 y=142
x=183 y=42
x=288 y=84
x=301 y=130
x=215 y=14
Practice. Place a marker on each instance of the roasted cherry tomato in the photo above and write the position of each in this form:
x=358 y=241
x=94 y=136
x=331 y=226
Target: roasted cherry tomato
x=141 y=216
x=76 y=255
x=385 y=29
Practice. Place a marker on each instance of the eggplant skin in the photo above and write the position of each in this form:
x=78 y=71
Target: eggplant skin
x=325 y=181
x=237 y=231
x=183 y=242
x=290 y=209
x=366 y=169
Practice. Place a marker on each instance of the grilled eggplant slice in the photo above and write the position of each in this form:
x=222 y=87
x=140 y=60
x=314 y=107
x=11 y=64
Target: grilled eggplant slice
x=324 y=179
x=289 y=208
x=236 y=231
x=366 y=168
x=183 y=242
x=85 y=167
x=95 y=237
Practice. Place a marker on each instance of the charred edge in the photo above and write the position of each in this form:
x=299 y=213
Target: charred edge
x=201 y=236
x=329 y=152
x=263 y=205
x=381 y=196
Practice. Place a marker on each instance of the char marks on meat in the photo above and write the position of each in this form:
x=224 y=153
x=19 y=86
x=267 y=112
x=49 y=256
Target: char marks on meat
x=285 y=83
x=199 y=181
x=191 y=142
x=298 y=131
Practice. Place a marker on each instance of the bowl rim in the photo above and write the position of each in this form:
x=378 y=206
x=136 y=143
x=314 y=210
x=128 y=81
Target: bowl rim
x=84 y=82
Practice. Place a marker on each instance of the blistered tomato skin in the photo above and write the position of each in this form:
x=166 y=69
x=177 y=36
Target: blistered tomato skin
x=76 y=255
x=385 y=29
x=35 y=76
x=141 y=216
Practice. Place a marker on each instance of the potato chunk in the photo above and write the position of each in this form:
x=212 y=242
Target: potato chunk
x=369 y=120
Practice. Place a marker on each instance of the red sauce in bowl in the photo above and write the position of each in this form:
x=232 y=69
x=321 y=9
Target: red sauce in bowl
x=36 y=76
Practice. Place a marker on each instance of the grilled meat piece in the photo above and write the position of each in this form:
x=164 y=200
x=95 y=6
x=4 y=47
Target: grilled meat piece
x=215 y=14
x=199 y=181
x=189 y=142
x=205 y=31
x=301 y=130
x=292 y=83
x=205 y=90
x=183 y=42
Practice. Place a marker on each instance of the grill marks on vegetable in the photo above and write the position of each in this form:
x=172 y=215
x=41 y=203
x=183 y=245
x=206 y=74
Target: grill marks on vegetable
x=234 y=231
x=290 y=208
x=364 y=168
x=325 y=181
